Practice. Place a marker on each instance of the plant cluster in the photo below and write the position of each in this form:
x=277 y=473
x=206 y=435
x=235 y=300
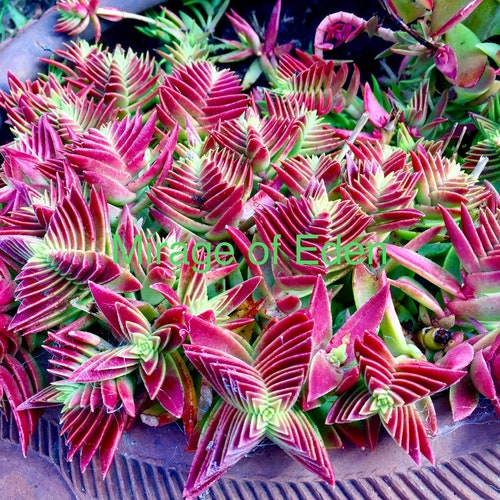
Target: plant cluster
x=177 y=245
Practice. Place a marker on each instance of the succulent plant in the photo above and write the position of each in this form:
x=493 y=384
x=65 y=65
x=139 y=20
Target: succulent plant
x=305 y=262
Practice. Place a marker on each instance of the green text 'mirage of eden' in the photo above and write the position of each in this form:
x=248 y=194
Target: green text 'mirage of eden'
x=352 y=249
x=203 y=253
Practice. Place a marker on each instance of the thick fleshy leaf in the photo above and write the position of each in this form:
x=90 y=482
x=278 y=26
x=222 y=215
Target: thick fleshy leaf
x=483 y=282
x=419 y=293
x=367 y=317
x=477 y=249
x=323 y=378
x=464 y=399
x=467 y=246
x=245 y=32
x=416 y=379
x=321 y=312
x=169 y=328
x=482 y=378
x=111 y=439
x=107 y=365
x=283 y=353
x=406 y=428
x=376 y=113
x=272 y=28
x=228 y=301
x=458 y=357
x=418 y=109
x=75 y=16
x=193 y=285
x=237 y=382
x=409 y=11
x=243 y=244
x=205 y=333
x=225 y=439
x=132 y=322
x=445 y=15
x=107 y=301
x=165 y=386
x=125 y=388
x=484 y=309
x=79 y=424
x=295 y=434
x=71 y=349
x=426 y=268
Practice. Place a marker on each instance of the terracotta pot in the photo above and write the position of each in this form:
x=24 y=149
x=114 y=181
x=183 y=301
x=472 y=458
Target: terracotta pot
x=152 y=463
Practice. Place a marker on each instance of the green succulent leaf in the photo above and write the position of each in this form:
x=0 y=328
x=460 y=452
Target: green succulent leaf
x=446 y=15
x=485 y=19
x=472 y=60
x=408 y=11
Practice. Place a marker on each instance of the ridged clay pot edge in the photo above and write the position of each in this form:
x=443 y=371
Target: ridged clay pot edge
x=152 y=463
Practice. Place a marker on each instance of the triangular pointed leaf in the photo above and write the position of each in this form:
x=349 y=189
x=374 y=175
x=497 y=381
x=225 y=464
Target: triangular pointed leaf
x=283 y=353
x=224 y=441
x=107 y=365
x=237 y=382
x=406 y=428
x=205 y=333
x=295 y=434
